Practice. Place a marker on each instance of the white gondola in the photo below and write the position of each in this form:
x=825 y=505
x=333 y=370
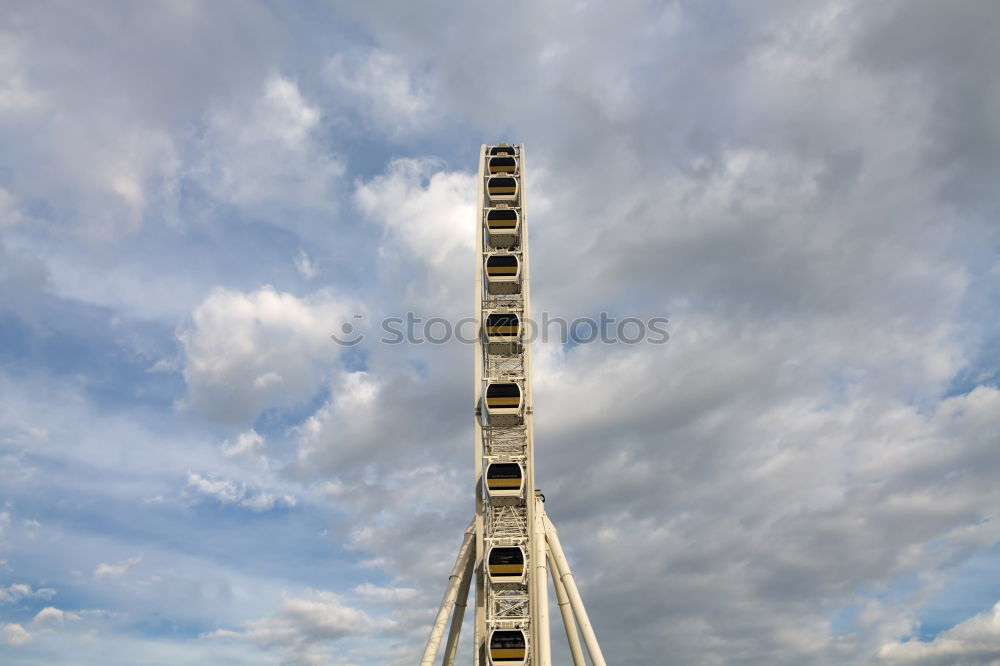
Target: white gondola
x=504 y=404
x=501 y=188
x=505 y=482
x=502 y=164
x=505 y=565
x=502 y=332
x=508 y=647
x=503 y=225
x=503 y=273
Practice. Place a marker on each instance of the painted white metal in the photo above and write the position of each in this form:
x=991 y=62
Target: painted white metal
x=458 y=615
x=450 y=595
x=566 y=575
x=479 y=637
x=529 y=444
x=569 y=621
x=543 y=649
x=505 y=433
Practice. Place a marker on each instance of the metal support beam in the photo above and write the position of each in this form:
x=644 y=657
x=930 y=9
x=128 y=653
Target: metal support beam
x=450 y=594
x=540 y=580
x=569 y=622
x=451 y=647
x=479 y=629
x=589 y=637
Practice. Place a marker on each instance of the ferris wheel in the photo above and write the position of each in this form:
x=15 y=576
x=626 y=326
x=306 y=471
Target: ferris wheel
x=511 y=546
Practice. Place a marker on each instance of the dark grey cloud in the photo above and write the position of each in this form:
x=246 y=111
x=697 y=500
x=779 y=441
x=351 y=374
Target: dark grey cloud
x=763 y=177
x=946 y=53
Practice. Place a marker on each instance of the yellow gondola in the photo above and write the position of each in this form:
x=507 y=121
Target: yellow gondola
x=503 y=149
x=502 y=332
x=501 y=188
x=505 y=565
x=503 y=273
x=508 y=647
x=502 y=164
x=504 y=404
x=504 y=482
x=503 y=226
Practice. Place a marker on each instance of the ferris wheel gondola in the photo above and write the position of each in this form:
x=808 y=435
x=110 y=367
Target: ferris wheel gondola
x=502 y=164
x=502 y=332
x=504 y=482
x=503 y=273
x=503 y=226
x=508 y=647
x=505 y=565
x=504 y=404
x=501 y=188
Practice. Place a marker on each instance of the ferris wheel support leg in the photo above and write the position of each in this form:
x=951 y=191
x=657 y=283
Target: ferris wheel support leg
x=451 y=593
x=559 y=557
x=451 y=647
x=541 y=583
x=569 y=622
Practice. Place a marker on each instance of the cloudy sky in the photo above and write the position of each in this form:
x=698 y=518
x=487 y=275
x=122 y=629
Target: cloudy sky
x=195 y=194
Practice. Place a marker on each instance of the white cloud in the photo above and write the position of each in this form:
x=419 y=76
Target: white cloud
x=263 y=501
x=103 y=161
x=425 y=213
x=248 y=445
x=24 y=278
x=226 y=492
x=265 y=153
x=245 y=352
x=10 y=215
x=305 y=266
x=18 y=591
x=353 y=393
x=302 y=626
x=14 y=635
x=31 y=528
x=116 y=570
x=230 y=492
x=17 y=96
x=98 y=131
x=383 y=90
x=51 y=617
x=368 y=466
x=974 y=642
x=383 y=594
